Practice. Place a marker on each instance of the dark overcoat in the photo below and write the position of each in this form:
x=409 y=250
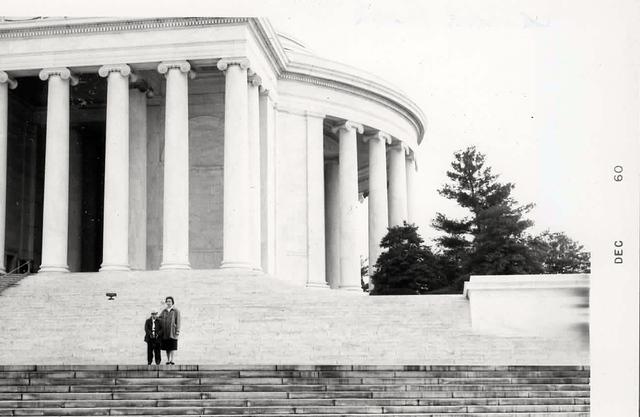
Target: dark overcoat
x=147 y=330
x=170 y=323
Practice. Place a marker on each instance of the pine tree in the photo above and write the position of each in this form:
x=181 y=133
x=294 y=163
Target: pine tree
x=492 y=239
x=406 y=266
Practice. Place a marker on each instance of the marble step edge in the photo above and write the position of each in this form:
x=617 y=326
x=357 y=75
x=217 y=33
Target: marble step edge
x=295 y=402
x=542 y=414
x=301 y=367
x=291 y=410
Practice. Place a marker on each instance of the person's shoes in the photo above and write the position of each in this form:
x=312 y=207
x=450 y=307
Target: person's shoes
x=149 y=364
x=168 y=363
x=171 y=363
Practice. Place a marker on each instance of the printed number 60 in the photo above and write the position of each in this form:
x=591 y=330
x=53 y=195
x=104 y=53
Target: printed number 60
x=618 y=173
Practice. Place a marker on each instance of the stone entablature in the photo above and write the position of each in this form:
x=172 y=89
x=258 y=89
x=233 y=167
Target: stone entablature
x=145 y=42
x=311 y=69
x=39 y=27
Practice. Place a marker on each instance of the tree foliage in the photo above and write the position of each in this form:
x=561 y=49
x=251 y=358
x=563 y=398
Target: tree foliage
x=406 y=266
x=473 y=185
x=492 y=238
x=559 y=254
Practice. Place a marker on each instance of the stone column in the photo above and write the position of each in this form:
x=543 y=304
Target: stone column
x=55 y=210
x=138 y=177
x=236 y=206
x=115 y=240
x=411 y=191
x=332 y=223
x=6 y=83
x=253 y=98
x=397 y=185
x=348 y=195
x=175 y=222
x=315 y=201
x=267 y=180
x=378 y=203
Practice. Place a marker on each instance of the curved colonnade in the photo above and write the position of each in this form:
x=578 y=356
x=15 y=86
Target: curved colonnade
x=303 y=138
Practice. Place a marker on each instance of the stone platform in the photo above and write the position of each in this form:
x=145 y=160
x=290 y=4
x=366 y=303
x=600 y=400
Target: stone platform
x=234 y=317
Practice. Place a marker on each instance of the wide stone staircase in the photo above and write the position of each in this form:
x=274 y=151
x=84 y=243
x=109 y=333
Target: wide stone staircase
x=309 y=390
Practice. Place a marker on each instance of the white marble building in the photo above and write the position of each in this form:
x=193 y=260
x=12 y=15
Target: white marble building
x=201 y=143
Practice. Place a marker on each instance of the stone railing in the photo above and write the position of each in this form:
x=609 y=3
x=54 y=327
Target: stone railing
x=530 y=305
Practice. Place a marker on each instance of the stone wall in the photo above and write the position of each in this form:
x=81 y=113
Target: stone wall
x=291 y=198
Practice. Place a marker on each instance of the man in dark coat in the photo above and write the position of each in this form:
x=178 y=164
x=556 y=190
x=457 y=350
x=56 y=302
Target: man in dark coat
x=153 y=336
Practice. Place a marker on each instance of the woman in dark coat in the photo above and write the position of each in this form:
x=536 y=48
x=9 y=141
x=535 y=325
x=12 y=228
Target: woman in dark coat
x=170 y=318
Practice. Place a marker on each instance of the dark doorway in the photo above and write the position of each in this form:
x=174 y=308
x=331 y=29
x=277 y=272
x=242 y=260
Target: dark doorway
x=92 y=136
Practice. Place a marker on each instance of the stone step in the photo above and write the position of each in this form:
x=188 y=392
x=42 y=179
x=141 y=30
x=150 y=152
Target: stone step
x=80 y=387
x=257 y=402
x=113 y=371
x=182 y=395
x=438 y=394
x=417 y=381
x=276 y=390
x=176 y=369
x=290 y=374
x=289 y=381
x=278 y=410
x=543 y=414
x=10 y=280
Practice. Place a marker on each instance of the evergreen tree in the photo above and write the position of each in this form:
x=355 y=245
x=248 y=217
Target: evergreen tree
x=491 y=240
x=559 y=254
x=407 y=266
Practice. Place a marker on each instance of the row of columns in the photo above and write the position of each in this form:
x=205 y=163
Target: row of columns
x=242 y=156
x=388 y=205
x=242 y=179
